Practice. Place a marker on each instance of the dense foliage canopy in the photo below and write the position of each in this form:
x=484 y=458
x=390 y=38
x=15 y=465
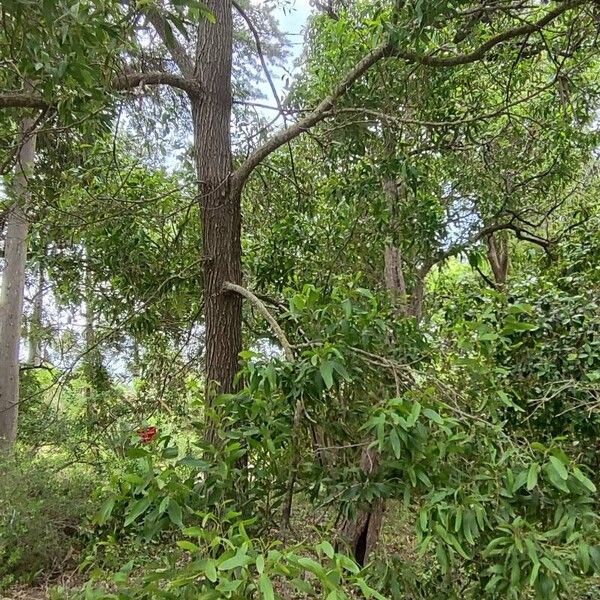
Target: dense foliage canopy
x=338 y=338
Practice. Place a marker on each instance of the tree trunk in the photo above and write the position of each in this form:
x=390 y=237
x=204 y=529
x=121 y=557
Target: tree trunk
x=35 y=353
x=220 y=204
x=498 y=257
x=13 y=288
x=361 y=533
x=92 y=359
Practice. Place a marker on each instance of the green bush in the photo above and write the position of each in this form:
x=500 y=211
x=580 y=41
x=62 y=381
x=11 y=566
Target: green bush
x=41 y=516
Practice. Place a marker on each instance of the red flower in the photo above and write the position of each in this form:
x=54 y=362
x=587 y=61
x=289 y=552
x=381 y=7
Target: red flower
x=147 y=434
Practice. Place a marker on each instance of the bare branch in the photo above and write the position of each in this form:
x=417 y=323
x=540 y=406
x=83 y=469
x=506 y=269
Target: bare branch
x=131 y=80
x=22 y=100
x=178 y=52
x=261 y=55
x=126 y=81
x=519 y=232
x=262 y=309
x=321 y=111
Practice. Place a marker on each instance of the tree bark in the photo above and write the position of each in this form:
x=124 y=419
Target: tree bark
x=220 y=204
x=13 y=287
x=497 y=253
x=35 y=352
x=91 y=358
x=361 y=533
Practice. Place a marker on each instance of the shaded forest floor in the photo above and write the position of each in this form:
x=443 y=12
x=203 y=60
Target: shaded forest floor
x=306 y=525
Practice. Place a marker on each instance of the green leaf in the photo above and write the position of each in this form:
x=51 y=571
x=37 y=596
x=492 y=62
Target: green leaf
x=326 y=370
x=555 y=478
x=137 y=453
x=266 y=587
x=532 y=476
x=534 y=573
x=531 y=551
x=260 y=563
x=433 y=416
x=414 y=414
x=174 y=512
x=559 y=467
x=187 y=545
x=311 y=565
x=210 y=570
x=171 y=452
x=348 y=564
x=137 y=509
x=241 y=559
x=584 y=480
x=549 y=564
x=395 y=441
x=105 y=511
x=327 y=549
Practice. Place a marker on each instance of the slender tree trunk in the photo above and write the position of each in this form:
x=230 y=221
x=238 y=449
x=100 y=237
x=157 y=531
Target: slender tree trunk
x=361 y=533
x=92 y=359
x=220 y=204
x=13 y=288
x=35 y=352
x=497 y=254
x=418 y=294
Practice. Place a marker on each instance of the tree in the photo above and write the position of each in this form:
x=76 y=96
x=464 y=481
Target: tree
x=13 y=285
x=205 y=75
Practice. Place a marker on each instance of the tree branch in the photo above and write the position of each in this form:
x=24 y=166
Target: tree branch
x=384 y=50
x=131 y=80
x=22 y=100
x=480 y=52
x=519 y=232
x=126 y=81
x=262 y=309
x=178 y=52
x=261 y=55
x=320 y=112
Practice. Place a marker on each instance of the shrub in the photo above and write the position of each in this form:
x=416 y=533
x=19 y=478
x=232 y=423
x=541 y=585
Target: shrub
x=41 y=514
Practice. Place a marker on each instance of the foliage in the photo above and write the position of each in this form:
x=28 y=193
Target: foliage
x=43 y=514
x=407 y=370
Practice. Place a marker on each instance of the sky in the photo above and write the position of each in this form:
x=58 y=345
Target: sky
x=292 y=16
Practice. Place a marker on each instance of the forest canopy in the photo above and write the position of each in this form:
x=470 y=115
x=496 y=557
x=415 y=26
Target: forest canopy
x=299 y=319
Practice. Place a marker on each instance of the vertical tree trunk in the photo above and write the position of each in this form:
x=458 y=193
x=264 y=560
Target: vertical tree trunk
x=361 y=533
x=35 y=353
x=92 y=359
x=497 y=254
x=13 y=288
x=220 y=203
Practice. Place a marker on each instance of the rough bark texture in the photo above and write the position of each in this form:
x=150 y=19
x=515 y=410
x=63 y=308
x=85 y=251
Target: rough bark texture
x=394 y=274
x=220 y=203
x=497 y=254
x=361 y=532
x=13 y=287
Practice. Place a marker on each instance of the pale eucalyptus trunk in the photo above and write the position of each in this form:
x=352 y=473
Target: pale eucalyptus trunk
x=13 y=286
x=35 y=355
